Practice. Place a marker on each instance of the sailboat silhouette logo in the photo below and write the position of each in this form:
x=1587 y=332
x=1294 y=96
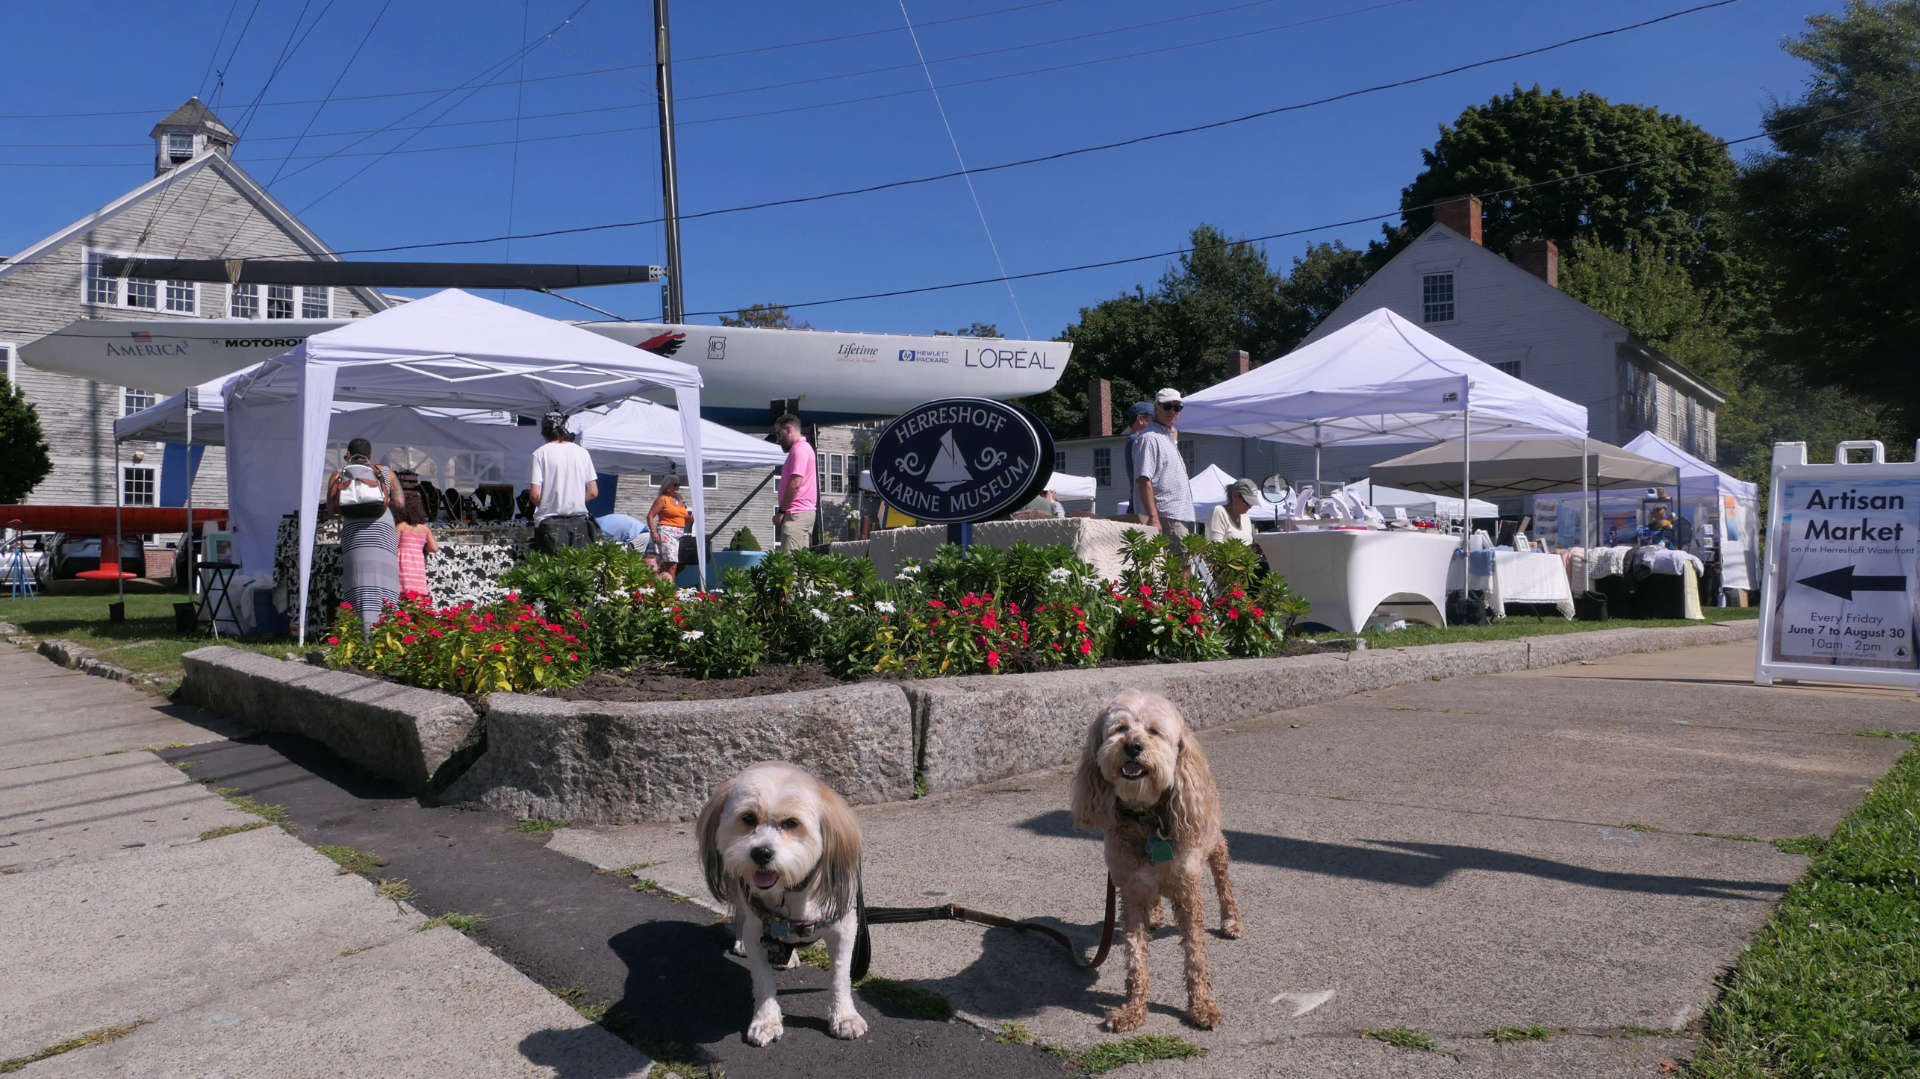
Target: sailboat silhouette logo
x=948 y=470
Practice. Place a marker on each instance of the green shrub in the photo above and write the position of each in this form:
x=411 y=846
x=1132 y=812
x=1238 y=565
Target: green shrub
x=508 y=646
x=744 y=540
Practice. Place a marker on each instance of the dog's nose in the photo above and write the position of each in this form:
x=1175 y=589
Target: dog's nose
x=762 y=856
x=1134 y=749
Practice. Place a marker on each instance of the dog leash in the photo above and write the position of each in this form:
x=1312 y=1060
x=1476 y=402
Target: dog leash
x=863 y=950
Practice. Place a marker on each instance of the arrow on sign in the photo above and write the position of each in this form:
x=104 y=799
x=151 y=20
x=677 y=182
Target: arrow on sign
x=1843 y=583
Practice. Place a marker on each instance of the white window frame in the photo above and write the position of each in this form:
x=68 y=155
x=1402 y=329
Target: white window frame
x=1430 y=307
x=126 y=391
x=261 y=295
x=13 y=362
x=153 y=480
x=174 y=152
x=120 y=289
x=710 y=481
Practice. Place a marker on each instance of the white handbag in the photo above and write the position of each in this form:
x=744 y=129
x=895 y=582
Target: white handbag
x=361 y=497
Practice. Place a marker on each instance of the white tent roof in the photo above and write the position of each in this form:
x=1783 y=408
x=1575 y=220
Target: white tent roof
x=637 y=435
x=1378 y=380
x=1209 y=486
x=1696 y=476
x=1515 y=467
x=1382 y=497
x=450 y=349
x=1072 y=488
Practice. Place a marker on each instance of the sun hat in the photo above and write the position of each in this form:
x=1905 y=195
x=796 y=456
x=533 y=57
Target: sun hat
x=1246 y=490
x=1168 y=396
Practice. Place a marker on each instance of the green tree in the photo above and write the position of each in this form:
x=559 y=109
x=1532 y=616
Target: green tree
x=1220 y=295
x=977 y=329
x=765 y=316
x=1676 y=195
x=1832 y=215
x=25 y=462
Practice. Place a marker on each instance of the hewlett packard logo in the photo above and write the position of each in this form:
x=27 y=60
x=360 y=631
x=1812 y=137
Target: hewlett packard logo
x=924 y=355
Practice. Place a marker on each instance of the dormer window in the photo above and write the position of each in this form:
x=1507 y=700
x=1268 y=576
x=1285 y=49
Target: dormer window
x=179 y=146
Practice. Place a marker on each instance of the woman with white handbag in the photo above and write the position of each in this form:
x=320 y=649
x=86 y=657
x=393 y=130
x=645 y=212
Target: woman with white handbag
x=365 y=495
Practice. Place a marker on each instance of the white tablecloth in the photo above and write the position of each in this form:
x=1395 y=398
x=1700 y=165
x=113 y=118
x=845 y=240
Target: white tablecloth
x=1347 y=573
x=1517 y=577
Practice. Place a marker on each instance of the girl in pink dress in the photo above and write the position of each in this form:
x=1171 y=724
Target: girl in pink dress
x=416 y=543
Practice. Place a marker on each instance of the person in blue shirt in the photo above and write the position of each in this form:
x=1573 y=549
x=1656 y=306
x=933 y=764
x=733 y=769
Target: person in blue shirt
x=621 y=528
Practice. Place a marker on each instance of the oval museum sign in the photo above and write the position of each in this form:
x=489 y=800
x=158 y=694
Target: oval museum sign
x=962 y=459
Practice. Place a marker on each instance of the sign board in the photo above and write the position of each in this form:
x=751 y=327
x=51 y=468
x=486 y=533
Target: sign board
x=961 y=459
x=1841 y=596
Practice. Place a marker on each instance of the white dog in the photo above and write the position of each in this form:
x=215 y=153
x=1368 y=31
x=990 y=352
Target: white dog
x=783 y=850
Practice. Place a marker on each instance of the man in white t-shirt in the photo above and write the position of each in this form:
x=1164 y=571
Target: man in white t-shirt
x=563 y=483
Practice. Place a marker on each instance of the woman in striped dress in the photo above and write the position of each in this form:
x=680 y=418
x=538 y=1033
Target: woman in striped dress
x=369 y=546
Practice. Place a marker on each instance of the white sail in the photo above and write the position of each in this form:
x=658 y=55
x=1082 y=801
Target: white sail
x=947 y=470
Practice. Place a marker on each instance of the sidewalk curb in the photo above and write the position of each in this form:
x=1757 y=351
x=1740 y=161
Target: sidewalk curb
x=72 y=656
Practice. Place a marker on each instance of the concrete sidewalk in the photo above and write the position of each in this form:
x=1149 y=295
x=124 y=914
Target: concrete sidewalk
x=237 y=954
x=1582 y=848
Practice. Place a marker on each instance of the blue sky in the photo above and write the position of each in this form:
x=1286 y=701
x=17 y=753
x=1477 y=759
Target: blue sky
x=741 y=144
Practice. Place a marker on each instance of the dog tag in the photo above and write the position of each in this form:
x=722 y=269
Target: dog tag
x=1159 y=850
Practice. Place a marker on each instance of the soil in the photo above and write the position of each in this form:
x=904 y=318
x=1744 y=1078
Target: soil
x=660 y=682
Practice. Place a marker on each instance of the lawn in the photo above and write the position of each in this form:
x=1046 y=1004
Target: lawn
x=146 y=643
x=1533 y=626
x=1832 y=986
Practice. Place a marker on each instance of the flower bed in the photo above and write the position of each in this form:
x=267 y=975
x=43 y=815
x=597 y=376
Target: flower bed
x=984 y=611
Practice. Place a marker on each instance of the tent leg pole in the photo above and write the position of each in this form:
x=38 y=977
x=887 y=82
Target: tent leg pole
x=1586 y=549
x=119 y=496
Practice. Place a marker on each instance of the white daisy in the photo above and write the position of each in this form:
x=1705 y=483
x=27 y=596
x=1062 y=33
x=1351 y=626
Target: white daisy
x=883 y=606
x=1059 y=575
x=821 y=615
x=692 y=635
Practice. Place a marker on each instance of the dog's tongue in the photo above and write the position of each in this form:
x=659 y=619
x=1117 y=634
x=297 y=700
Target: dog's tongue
x=765 y=878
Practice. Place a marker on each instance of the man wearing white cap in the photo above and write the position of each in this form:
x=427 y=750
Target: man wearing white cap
x=1161 y=490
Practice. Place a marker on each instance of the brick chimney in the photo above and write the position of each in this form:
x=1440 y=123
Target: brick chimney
x=1462 y=215
x=1099 y=408
x=1541 y=258
x=1236 y=362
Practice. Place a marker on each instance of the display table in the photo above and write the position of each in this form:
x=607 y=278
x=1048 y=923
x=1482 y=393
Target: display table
x=1640 y=582
x=1094 y=540
x=1515 y=577
x=467 y=568
x=1346 y=573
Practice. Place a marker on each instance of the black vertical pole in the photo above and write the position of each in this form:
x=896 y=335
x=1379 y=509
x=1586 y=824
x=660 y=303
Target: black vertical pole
x=961 y=533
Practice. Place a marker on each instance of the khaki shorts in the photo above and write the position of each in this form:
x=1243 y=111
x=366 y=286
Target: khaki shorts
x=795 y=532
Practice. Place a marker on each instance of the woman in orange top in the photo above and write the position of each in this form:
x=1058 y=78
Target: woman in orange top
x=668 y=519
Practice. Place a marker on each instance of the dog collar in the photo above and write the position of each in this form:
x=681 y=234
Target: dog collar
x=781 y=928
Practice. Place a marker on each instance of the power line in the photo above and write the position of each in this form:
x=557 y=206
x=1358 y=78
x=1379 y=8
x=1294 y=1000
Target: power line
x=733 y=117
x=344 y=68
x=543 y=78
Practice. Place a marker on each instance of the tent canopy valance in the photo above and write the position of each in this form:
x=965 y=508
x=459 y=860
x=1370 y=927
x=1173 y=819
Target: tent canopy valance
x=450 y=349
x=1515 y=467
x=1377 y=381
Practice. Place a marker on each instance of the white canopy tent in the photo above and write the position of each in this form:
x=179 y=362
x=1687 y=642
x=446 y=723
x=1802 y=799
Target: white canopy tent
x=1071 y=488
x=1516 y=467
x=1416 y=503
x=1380 y=380
x=450 y=349
x=1694 y=473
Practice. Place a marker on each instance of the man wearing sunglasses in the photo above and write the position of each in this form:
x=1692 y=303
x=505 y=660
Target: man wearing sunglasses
x=1161 y=490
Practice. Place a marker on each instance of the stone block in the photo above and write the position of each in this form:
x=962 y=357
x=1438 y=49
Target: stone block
x=609 y=763
x=399 y=732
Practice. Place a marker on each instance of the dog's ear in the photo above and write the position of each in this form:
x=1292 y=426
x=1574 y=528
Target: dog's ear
x=707 y=827
x=1194 y=809
x=839 y=852
x=1093 y=798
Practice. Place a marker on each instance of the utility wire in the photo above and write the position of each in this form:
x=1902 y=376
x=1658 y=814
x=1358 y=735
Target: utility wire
x=732 y=117
x=958 y=156
x=318 y=109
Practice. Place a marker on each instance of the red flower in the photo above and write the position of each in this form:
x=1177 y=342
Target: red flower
x=936 y=603
x=1146 y=590
x=1237 y=594
x=1055 y=646
x=1258 y=613
x=1233 y=613
x=497 y=646
x=333 y=640
x=988 y=621
x=408 y=639
x=993 y=661
x=546 y=659
x=1077 y=612
x=346 y=606
x=436 y=633
x=513 y=597
x=573 y=657
x=1086 y=645
x=1194 y=620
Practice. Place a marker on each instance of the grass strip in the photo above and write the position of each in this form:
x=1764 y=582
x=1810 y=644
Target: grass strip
x=1831 y=987
x=97 y=1037
x=1138 y=1049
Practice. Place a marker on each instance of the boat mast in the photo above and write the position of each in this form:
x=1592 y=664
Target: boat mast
x=673 y=300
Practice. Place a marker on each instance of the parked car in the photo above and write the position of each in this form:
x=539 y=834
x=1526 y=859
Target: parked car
x=32 y=561
x=74 y=553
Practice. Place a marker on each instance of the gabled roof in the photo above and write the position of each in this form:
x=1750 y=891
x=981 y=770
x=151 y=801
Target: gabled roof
x=194 y=114
x=1532 y=280
x=235 y=176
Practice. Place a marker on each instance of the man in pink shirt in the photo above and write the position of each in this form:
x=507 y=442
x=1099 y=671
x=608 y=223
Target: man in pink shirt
x=799 y=486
